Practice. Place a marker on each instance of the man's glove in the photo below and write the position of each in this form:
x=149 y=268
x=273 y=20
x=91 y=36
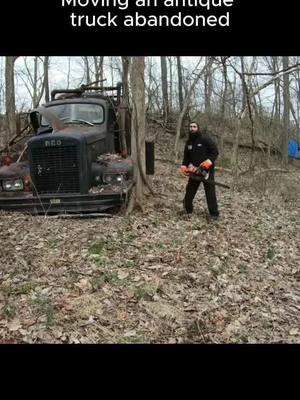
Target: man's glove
x=184 y=170
x=207 y=164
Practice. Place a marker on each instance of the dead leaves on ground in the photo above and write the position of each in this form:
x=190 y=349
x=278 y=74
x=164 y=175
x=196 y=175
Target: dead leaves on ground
x=154 y=277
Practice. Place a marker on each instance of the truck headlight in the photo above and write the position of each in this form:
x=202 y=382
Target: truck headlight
x=113 y=179
x=12 y=185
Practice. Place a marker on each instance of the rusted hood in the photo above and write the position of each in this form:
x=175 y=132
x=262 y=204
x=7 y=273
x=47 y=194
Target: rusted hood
x=15 y=170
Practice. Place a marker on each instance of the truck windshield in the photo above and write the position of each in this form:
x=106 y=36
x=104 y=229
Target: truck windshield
x=92 y=113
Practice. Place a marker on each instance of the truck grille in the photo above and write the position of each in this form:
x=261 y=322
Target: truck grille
x=56 y=169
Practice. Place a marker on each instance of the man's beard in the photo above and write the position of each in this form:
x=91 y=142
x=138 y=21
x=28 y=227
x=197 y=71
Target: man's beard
x=193 y=135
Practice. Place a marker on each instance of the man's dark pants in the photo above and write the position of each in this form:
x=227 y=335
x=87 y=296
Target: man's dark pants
x=210 y=192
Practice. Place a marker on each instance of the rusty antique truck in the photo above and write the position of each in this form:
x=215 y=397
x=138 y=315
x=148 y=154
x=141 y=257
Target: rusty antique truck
x=78 y=160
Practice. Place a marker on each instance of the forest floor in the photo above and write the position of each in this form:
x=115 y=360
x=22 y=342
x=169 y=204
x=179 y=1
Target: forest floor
x=157 y=277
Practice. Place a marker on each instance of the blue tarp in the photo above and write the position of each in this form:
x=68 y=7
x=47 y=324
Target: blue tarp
x=294 y=149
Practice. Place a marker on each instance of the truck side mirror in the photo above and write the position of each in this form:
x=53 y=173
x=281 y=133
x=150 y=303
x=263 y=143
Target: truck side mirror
x=34 y=117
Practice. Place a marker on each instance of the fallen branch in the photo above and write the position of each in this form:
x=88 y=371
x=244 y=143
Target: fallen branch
x=22 y=153
x=272 y=170
x=14 y=140
x=221 y=169
x=243 y=173
x=249 y=146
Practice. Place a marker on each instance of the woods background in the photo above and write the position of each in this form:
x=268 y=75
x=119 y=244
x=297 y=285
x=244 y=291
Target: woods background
x=153 y=276
x=252 y=101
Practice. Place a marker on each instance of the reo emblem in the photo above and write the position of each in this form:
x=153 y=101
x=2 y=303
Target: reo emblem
x=53 y=142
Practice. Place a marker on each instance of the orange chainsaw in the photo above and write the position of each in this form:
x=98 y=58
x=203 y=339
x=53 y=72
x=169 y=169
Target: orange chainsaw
x=202 y=174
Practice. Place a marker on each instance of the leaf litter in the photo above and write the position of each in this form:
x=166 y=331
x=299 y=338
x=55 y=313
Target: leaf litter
x=156 y=277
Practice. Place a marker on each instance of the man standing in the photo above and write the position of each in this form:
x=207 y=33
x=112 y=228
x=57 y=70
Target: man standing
x=200 y=151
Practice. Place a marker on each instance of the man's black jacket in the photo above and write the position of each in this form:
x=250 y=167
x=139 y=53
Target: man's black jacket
x=198 y=148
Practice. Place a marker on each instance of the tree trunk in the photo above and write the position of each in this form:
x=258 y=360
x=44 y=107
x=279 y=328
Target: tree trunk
x=69 y=73
x=2 y=84
x=46 y=78
x=35 y=83
x=124 y=108
x=233 y=100
x=87 y=70
x=244 y=95
x=247 y=90
x=101 y=70
x=171 y=85
x=164 y=82
x=208 y=85
x=225 y=90
x=138 y=130
x=286 y=111
x=98 y=65
x=180 y=83
x=10 y=102
x=112 y=71
x=277 y=101
x=150 y=103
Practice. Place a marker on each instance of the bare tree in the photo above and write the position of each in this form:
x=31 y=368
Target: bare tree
x=138 y=127
x=185 y=107
x=112 y=75
x=180 y=83
x=244 y=96
x=2 y=83
x=164 y=83
x=46 y=78
x=87 y=70
x=225 y=90
x=154 y=90
x=69 y=73
x=286 y=111
x=33 y=77
x=208 y=84
x=170 y=85
x=277 y=97
x=10 y=99
x=98 y=66
x=124 y=116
